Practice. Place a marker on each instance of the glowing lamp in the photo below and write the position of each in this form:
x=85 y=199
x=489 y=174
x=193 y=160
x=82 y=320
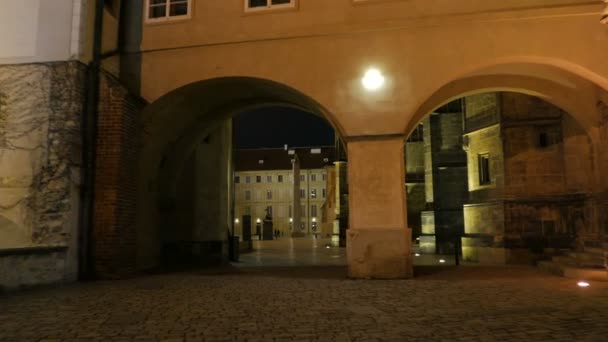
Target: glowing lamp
x=372 y=80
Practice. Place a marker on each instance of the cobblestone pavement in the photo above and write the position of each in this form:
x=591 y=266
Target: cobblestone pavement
x=313 y=303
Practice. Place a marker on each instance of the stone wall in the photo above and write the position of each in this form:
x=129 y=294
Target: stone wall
x=40 y=111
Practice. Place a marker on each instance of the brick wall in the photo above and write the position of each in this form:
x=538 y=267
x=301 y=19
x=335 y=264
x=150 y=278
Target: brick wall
x=114 y=235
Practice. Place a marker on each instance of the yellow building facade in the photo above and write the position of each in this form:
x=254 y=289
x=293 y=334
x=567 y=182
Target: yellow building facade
x=264 y=183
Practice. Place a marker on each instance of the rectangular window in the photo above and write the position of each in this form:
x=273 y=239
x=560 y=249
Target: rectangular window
x=269 y=194
x=260 y=5
x=313 y=177
x=280 y=178
x=313 y=210
x=258 y=179
x=162 y=10
x=247 y=210
x=313 y=193
x=247 y=179
x=268 y=179
x=237 y=180
x=484 y=169
x=302 y=193
x=247 y=195
x=324 y=177
x=302 y=178
x=324 y=191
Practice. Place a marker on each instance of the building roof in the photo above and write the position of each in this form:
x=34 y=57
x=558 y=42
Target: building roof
x=280 y=159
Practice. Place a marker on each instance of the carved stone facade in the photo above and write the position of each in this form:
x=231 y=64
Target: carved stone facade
x=536 y=194
x=40 y=111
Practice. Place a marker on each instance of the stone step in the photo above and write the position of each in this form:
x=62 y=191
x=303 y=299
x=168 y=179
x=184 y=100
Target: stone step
x=595 y=250
x=586 y=258
x=573 y=272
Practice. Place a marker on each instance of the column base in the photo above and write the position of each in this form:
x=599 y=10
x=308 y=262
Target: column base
x=379 y=253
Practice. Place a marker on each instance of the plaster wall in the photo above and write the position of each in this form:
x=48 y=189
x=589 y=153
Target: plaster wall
x=341 y=40
x=40 y=106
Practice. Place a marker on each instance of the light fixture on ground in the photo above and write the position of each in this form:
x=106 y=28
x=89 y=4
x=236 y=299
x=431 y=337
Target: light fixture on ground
x=373 y=79
x=583 y=283
x=441 y=261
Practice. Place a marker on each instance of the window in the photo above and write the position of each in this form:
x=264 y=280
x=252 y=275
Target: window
x=269 y=210
x=269 y=194
x=313 y=210
x=247 y=195
x=260 y=5
x=313 y=193
x=302 y=193
x=302 y=178
x=280 y=178
x=313 y=178
x=324 y=191
x=237 y=179
x=268 y=179
x=247 y=179
x=324 y=177
x=162 y=10
x=247 y=210
x=484 y=169
x=258 y=179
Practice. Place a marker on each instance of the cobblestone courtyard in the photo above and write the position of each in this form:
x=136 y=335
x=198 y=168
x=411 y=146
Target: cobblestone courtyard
x=313 y=303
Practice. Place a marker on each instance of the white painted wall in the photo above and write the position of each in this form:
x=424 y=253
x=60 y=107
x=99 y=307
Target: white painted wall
x=40 y=30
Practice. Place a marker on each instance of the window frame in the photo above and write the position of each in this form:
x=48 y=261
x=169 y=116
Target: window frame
x=292 y=5
x=480 y=169
x=167 y=17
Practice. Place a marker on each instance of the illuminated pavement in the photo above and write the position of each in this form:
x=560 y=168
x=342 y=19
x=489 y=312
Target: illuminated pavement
x=293 y=252
x=312 y=303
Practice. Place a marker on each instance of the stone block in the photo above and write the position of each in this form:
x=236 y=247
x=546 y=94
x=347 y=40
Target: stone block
x=379 y=253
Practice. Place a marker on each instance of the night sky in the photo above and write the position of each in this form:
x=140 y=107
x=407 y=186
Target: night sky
x=277 y=126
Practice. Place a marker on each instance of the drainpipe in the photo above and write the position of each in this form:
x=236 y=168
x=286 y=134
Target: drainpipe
x=89 y=146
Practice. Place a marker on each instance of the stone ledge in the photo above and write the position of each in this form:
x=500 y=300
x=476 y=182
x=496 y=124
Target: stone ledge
x=35 y=250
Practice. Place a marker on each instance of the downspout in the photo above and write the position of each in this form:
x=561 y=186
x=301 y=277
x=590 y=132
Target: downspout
x=89 y=146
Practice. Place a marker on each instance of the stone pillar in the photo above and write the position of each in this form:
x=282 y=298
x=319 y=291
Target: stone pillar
x=378 y=240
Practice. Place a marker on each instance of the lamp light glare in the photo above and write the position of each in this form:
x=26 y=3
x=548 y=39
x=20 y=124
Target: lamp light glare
x=582 y=283
x=417 y=254
x=314 y=219
x=373 y=79
x=258 y=220
x=290 y=219
x=442 y=261
x=236 y=220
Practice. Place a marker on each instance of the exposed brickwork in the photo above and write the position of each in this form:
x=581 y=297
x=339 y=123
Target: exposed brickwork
x=114 y=236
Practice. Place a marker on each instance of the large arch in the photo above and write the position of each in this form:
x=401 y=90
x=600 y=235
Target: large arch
x=173 y=126
x=577 y=90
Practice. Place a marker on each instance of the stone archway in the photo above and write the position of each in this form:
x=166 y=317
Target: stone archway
x=170 y=130
x=577 y=92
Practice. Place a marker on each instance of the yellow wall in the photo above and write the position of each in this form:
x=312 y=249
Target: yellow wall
x=324 y=47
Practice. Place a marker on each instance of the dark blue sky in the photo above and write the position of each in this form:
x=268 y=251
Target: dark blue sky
x=276 y=126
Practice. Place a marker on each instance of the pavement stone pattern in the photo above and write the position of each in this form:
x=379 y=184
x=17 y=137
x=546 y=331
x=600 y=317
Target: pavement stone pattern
x=313 y=303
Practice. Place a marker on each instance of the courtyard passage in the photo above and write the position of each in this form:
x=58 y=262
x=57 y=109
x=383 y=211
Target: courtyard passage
x=270 y=298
